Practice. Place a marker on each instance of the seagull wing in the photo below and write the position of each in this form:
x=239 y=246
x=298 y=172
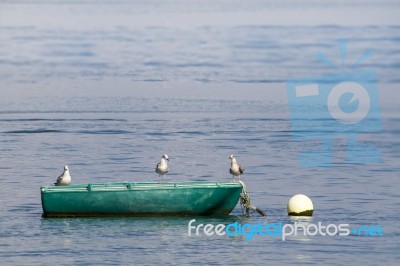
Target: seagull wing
x=241 y=169
x=158 y=165
x=59 y=179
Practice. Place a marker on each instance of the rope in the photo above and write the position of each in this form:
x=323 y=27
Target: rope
x=245 y=203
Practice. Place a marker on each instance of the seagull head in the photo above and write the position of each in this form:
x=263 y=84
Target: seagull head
x=66 y=168
x=165 y=157
x=232 y=157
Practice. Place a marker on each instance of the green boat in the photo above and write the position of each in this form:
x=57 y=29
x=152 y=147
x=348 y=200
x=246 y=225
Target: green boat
x=140 y=199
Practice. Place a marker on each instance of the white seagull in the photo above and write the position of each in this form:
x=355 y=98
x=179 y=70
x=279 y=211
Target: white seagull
x=64 y=179
x=162 y=166
x=236 y=169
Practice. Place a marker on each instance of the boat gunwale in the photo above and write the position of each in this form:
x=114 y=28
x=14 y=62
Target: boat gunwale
x=138 y=186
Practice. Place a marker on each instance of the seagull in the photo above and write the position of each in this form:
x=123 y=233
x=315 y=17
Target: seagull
x=64 y=179
x=162 y=166
x=236 y=169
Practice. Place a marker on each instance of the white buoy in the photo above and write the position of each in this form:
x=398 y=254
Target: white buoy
x=300 y=205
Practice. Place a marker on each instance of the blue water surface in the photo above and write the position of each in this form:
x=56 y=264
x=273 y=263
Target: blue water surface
x=107 y=87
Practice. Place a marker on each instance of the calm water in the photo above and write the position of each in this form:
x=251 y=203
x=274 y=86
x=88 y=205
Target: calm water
x=107 y=88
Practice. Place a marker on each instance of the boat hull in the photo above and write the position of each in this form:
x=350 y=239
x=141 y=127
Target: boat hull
x=140 y=199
